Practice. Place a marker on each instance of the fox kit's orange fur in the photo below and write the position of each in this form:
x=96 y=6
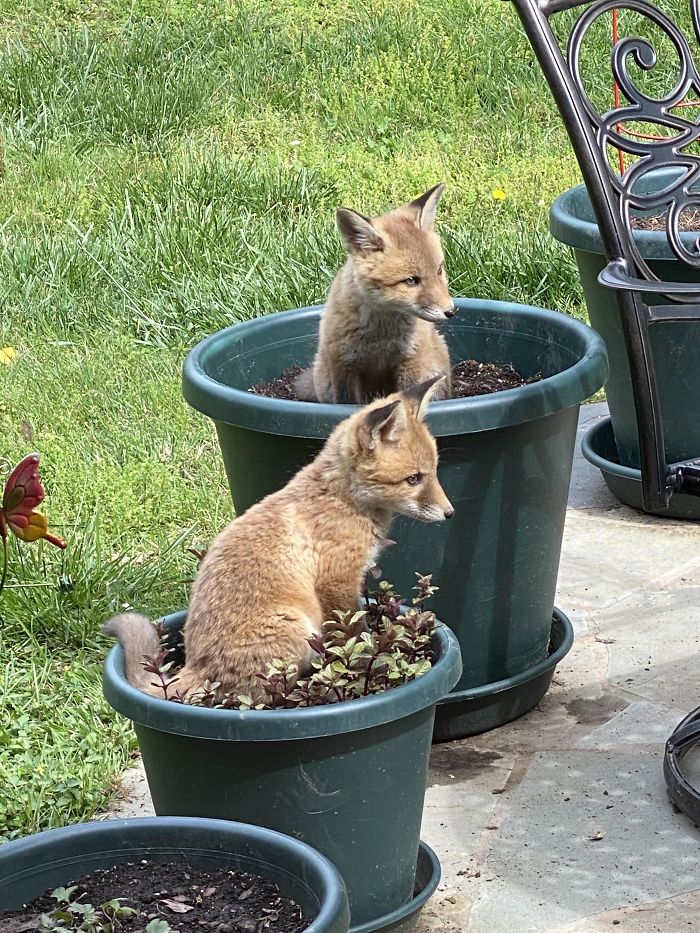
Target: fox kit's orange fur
x=377 y=332
x=272 y=576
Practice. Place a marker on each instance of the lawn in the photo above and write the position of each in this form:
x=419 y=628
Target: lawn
x=170 y=168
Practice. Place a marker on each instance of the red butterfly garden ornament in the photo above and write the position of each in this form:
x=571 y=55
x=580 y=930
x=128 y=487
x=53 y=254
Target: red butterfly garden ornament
x=23 y=493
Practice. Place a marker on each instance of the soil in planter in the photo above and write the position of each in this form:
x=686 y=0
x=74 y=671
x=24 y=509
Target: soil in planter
x=281 y=387
x=187 y=899
x=469 y=378
x=689 y=222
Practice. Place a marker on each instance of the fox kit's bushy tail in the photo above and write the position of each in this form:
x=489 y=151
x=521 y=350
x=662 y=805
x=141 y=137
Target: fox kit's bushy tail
x=304 y=386
x=138 y=638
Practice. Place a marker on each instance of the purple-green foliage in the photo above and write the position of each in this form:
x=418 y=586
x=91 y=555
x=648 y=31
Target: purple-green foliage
x=359 y=653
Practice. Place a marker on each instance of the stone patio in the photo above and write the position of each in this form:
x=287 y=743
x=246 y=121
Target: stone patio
x=560 y=821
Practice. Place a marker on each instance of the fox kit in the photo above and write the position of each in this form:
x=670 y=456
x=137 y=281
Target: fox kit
x=272 y=576
x=377 y=332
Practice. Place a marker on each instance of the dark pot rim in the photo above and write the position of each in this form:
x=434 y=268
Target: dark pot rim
x=283 y=725
x=571 y=221
x=162 y=833
x=241 y=408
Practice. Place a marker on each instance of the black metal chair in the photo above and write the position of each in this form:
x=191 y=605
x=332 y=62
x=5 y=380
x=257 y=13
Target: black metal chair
x=615 y=197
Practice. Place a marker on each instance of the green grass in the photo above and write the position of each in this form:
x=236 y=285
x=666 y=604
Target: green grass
x=172 y=166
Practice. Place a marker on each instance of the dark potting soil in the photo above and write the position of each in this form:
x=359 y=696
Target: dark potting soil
x=187 y=899
x=281 y=387
x=469 y=378
x=689 y=222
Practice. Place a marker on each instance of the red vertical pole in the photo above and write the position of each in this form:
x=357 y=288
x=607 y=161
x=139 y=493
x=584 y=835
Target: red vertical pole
x=616 y=90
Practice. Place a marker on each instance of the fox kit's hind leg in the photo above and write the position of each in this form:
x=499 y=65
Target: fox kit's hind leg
x=283 y=633
x=337 y=384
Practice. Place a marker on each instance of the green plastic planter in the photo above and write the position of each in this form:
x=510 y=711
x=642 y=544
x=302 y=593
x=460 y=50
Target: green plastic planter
x=598 y=447
x=31 y=866
x=675 y=346
x=505 y=463
x=349 y=779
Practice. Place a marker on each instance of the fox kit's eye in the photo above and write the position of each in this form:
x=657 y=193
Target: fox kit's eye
x=414 y=479
x=441 y=268
x=412 y=281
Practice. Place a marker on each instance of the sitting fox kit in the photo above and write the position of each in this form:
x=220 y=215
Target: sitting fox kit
x=377 y=333
x=274 y=575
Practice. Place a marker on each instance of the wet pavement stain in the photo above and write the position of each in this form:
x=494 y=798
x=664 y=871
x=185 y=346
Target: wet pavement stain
x=596 y=711
x=453 y=762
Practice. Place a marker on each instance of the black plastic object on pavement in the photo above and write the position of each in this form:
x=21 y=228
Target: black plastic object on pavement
x=684 y=738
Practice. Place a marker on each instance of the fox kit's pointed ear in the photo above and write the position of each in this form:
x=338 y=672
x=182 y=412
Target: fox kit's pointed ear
x=383 y=425
x=418 y=397
x=357 y=231
x=426 y=206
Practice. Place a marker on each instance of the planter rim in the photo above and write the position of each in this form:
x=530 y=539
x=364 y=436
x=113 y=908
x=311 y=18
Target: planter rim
x=241 y=408
x=283 y=725
x=625 y=482
x=589 y=449
x=568 y=226
x=67 y=842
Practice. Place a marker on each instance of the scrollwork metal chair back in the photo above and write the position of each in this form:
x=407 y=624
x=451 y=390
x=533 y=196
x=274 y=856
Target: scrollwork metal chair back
x=617 y=198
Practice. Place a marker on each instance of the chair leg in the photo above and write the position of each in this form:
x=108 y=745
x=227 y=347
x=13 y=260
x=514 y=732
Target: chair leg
x=656 y=479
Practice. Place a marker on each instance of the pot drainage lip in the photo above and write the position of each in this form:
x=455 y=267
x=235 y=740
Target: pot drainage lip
x=599 y=448
x=427 y=880
x=560 y=641
x=684 y=738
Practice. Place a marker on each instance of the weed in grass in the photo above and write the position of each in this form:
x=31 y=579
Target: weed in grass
x=60 y=745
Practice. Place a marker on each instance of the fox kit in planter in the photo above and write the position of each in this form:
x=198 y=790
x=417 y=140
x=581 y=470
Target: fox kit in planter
x=378 y=333
x=272 y=576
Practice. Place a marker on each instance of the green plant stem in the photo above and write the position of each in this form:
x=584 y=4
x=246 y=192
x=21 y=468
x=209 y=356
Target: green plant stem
x=4 y=563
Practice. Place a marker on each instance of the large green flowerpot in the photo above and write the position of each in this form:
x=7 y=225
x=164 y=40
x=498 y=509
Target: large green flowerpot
x=675 y=346
x=505 y=463
x=349 y=779
x=31 y=866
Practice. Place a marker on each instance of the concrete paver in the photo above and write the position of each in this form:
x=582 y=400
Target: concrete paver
x=559 y=822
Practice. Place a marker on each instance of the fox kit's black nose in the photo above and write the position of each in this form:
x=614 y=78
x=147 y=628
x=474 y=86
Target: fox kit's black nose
x=449 y=512
x=450 y=312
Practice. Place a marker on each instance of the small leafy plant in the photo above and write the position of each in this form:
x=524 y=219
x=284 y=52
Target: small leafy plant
x=379 y=647
x=80 y=917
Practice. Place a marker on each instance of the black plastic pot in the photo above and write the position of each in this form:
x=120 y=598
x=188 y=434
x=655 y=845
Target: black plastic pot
x=31 y=866
x=506 y=463
x=675 y=347
x=349 y=779
x=682 y=791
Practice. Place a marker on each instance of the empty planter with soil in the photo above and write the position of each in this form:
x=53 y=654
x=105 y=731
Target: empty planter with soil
x=505 y=464
x=171 y=874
